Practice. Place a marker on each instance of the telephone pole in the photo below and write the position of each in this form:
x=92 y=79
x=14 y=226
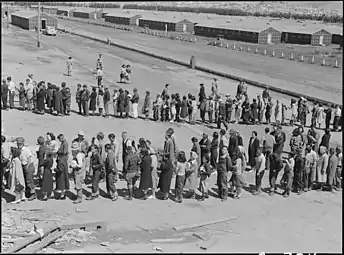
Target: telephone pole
x=39 y=26
x=8 y=15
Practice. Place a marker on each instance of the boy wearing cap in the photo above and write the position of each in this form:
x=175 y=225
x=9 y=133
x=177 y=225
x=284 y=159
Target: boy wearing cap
x=131 y=167
x=78 y=167
x=26 y=159
x=111 y=172
x=97 y=165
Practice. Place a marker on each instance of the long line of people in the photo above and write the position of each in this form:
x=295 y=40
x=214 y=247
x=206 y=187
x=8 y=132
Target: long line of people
x=311 y=164
x=214 y=108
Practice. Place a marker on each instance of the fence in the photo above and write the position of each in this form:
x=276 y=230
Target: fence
x=172 y=36
x=309 y=58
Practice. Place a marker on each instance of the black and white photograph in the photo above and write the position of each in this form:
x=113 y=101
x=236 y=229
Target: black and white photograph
x=171 y=127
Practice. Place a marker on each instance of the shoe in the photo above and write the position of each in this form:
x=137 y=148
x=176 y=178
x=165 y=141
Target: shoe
x=179 y=201
x=151 y=197
x=145 y=197
x=62 y=197
x=78 y=201
x=202 y=198
x=45 y=199
x=130 y=195
x=32 y=197
x=271 y=193
x=305 y=189
x=16 y=201
x=206 y=196
x=285 y=192
x=115 y=198
x=236 y=197
x=299 y=192
x=286 y=195
x=224 y=199
x=256 y=193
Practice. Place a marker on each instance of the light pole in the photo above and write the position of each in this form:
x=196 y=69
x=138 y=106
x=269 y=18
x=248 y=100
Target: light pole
x=8 y=15
x=39 y=26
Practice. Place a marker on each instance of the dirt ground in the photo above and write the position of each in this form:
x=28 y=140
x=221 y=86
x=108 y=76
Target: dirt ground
x=312 y=80
x=269 y=224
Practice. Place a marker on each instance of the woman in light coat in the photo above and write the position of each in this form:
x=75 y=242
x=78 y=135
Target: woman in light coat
x=322 y=164
x=320 y=116
x=191 y=173
x=278 y=112
x=17 y=184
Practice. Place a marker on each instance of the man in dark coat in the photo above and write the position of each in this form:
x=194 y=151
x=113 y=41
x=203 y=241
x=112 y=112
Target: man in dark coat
x=40 y=99
x=328 y=113
x=58 y=102
x=201 y=93
x=85 y=96
x=64 y=96
x=325 y=139
x=229 y=108
x=253 y=148
x=205 y=145
x=131 y=166
x=222 y=115
x=280 y=139
x=4 y=94
x=254 y=111
x=232 y=143
x=276 y=166
x=78 y=97
x=202 y=109
x=299 y=170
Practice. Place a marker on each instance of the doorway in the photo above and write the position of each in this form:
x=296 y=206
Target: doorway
x=321 y=40
x=269 y=38
x=184 y=28
x=44 y=24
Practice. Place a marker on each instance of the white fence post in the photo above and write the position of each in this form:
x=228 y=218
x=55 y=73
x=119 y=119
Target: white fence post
x=273 y=53
x=227 y=45
x=313 y=59
x=323 y=62
x=302 y=58
x=240 y=48
x=248 y=49
x=336 y=63
x=291 y=56
x=264 y=52
x=234 y=46
x=282 y=54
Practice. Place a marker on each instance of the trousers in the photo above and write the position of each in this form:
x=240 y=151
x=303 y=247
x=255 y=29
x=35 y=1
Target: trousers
x=180 y=179
x=259 y=178
x=106 y=108
x=273 y=174
x=131 y=179
x=85 y=107
x=309 y=176
x=222 y=183
x=110 y=183
x=95 y=182
x=203 y=184
x=11 y=99
x=28 y=178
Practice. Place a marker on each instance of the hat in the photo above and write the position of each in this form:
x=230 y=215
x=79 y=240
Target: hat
x=20 y=140
x=75 y=146
x=40 y=140
x=101 y=134
x=81 y=133
x=201 y=84
x=135 y=89
x=30 y=75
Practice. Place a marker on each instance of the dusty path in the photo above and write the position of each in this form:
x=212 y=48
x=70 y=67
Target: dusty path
x=270 y=224
x=307 y=79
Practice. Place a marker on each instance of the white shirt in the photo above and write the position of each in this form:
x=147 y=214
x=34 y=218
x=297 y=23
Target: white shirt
x=29 y=87
x=99 y=73
x=337 y=112
x=11 y=86
x=260 y=163
x=26 y=156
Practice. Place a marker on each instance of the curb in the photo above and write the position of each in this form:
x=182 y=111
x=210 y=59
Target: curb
x=203 y=69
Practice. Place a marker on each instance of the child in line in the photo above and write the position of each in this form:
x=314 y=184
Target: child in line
x=21 y=91
x=180 y=176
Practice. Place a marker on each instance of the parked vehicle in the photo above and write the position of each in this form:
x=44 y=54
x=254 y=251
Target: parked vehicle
x=50 y=31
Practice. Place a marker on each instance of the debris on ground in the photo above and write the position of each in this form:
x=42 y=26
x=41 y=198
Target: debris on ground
x=155 y=248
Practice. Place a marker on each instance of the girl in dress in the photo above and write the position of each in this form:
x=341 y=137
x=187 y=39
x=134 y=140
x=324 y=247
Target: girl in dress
x=180 y=176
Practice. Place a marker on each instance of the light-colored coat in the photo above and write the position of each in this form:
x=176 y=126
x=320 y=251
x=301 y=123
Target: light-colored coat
x=191 y=175
x=322 y=164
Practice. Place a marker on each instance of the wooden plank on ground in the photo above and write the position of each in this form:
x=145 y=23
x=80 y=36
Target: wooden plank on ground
x=4 y=232
x=197 y=225
x=45 y=242
x=31 y=239
x=170 y=240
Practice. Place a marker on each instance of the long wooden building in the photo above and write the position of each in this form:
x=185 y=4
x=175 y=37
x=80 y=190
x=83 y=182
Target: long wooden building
x=29 y=20
x=167 y=24
x=123 y=18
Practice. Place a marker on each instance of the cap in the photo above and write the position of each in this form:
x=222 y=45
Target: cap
x=135 y=89
x=101 y=134
x=20 y=140
x=81 y=133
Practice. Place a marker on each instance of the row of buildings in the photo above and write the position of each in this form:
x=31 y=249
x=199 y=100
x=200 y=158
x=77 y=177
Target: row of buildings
x=247 y=29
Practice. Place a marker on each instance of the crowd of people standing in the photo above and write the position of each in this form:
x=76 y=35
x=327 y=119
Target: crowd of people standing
x=311 y=164
x=45 y=97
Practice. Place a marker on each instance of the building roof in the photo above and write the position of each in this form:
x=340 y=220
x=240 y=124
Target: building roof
x=25 y=14
x=163 y=17
x=124 y=14
x=335 y=30
x=50 y=7
x=86 y=10
x=65 y=8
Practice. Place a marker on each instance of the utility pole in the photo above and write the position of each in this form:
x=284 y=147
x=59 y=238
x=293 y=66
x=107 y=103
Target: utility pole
x=39 y=26
x=8 y=15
